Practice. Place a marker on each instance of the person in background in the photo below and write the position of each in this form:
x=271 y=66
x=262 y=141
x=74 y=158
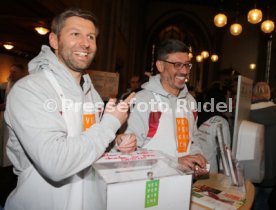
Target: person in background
x=192 y=91
x=56 y=121
x=17 y=71
x=230 y=90
x=134 y=87
x=134 y=84
x=273 y=95
x=170 y=130
x=263 y=111
x=209 y=120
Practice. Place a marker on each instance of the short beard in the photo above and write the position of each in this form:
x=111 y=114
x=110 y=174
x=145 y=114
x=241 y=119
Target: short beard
x=70 y=65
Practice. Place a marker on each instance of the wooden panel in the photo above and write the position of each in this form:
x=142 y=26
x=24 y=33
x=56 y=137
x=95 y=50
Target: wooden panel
x=106 y=83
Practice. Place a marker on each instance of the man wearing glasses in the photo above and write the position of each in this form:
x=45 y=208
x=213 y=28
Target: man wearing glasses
x=164 y=116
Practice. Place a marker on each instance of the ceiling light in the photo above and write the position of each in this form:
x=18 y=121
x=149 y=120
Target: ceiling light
x=199 y=58
x=267 y=26
x=220 y=20
x=205 y=54
x=235 y=29
x=41 y=30
x=254 y=16
x=8 y=46
x=252 y=66
x=214 y=58
x=190 y=55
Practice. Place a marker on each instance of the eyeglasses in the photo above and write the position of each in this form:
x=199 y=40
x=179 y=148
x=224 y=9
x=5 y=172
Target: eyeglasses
x=179 y=65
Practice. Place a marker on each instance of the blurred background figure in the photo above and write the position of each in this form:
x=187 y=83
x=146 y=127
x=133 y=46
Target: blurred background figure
x=263 y=111
x=273 y=95
x=209 y=118
x=134 y=86
x=17 y=71
x=7 y=178
x=2 y=96
x=192 y=90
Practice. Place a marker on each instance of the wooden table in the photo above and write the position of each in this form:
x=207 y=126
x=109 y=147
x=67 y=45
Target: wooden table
x=221 y=182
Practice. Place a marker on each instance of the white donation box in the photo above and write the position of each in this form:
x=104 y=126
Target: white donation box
x=141 y=180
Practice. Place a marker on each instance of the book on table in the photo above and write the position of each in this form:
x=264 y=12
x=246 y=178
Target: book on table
x=213 y=198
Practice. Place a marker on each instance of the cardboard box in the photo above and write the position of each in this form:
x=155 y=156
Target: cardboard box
x=142 y=180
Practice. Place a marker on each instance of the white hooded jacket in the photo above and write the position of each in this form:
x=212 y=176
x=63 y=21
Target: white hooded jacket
x=45 y=158
x=139 y=118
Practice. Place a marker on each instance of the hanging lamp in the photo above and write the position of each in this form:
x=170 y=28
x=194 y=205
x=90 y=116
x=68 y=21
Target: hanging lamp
x=199 y=58
x=205 y=54
x=268 y=25
x=255 y=16
x=235 y=29
x=214 y=57
x=220 y=20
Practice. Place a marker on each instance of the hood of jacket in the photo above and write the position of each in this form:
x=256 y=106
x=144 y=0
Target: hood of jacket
x=154 y=85
x=47 y=60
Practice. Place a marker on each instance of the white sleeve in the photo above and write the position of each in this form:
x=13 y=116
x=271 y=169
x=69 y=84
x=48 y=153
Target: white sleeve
x=195 y=144
x=138 y=122
x=42 y=135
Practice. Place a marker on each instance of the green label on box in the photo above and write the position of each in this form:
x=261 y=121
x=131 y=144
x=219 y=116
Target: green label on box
x=152 y=193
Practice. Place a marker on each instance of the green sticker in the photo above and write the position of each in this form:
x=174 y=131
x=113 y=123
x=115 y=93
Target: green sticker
x=152 y=192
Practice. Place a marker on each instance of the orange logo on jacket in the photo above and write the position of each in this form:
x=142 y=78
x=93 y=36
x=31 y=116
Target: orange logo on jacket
x=88 y=120
x=182 y=134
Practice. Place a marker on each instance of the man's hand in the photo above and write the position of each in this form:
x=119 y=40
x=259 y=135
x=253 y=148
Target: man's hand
x=120 y=110
x=196 y=163
x=126 y=143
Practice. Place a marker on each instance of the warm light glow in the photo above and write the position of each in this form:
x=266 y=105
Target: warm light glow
x=8 y=46
x=41 y=30
x=199 y=58
x=252 y=66
x=205 y=54
x=190 y=55
x=220 y=20
x=214 y=58
x=254 y=16
x=267 y=26
x=235 y=29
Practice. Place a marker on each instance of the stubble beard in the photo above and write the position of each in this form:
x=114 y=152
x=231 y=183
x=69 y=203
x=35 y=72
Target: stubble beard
x=74 y=66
